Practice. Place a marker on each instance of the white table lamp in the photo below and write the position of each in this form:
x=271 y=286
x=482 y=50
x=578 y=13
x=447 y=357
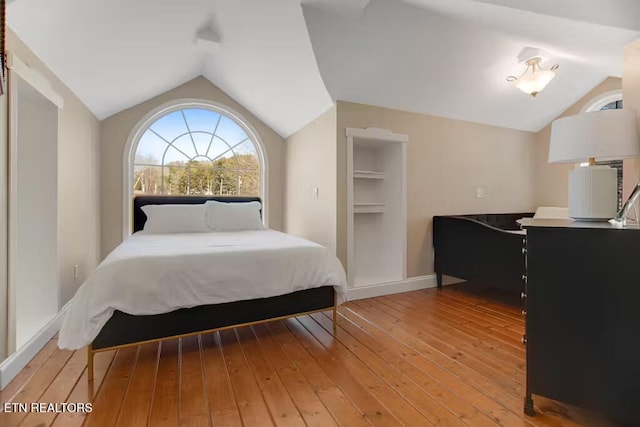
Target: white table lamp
x=599 y=135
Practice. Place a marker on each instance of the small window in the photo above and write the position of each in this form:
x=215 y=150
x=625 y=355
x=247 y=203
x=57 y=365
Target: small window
x=613 y=105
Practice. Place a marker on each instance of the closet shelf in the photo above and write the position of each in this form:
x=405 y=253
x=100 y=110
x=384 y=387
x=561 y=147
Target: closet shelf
x=369 y=207
x=368 y=174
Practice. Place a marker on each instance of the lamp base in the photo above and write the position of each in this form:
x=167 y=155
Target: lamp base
x=593 y=193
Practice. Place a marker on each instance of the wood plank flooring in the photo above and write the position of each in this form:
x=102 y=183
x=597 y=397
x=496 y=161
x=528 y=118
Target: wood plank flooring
x=423 y=358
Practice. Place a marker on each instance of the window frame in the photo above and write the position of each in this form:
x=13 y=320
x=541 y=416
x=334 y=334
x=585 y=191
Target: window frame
x=601 y=100
x=176 y=105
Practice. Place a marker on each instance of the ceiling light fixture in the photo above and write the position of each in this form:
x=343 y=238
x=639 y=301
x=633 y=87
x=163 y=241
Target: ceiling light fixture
x=534 y=78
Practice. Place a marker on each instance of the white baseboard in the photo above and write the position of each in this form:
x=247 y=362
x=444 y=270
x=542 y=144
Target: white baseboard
x=411 y=284
x=18 y=360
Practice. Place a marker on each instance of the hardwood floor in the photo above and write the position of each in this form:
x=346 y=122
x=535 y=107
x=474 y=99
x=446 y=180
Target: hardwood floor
x=450 y=357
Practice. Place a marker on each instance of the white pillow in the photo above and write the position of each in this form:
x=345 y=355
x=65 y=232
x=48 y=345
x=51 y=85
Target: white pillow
x=233 y=216
x=175 y=218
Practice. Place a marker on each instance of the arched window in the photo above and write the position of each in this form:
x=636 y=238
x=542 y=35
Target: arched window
x=196 y=151
x=193 y=147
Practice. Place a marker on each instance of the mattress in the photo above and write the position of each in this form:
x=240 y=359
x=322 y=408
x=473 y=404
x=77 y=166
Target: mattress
x=158 y=273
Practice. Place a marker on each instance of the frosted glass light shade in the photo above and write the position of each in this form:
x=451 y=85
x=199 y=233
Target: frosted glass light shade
x=533 y=83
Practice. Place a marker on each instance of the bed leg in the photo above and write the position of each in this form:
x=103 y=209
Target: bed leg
x=335 y=319
x=335 y=312
x=90 y=362
x=439 y=280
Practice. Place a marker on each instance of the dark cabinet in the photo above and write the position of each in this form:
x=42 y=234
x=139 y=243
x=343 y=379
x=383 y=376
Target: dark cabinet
x=583 y=317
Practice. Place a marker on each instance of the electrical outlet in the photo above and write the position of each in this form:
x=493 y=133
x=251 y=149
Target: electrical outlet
x=76 y=272
x=481 y=193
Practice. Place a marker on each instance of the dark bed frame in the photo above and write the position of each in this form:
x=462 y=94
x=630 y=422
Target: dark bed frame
x=125 y=330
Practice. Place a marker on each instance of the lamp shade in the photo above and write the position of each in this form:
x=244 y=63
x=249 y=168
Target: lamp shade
x=603 y=135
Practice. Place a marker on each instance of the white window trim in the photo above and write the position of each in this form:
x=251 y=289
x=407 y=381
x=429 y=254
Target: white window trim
x=601 y=100
x=169 y=107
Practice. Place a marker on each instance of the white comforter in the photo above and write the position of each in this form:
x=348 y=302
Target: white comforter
x=158 y=273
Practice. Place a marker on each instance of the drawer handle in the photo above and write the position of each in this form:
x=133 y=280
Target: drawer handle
x=523 y=295
x=524 y=312
x=524 y=339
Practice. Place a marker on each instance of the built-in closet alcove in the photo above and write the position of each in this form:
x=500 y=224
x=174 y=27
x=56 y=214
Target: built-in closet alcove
x=376 y=206
x=33 y=276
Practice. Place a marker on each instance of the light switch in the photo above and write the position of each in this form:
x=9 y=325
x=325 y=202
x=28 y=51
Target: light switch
x=316 y=192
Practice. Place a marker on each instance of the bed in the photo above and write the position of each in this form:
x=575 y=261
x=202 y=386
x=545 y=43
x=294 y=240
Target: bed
x=94 y=319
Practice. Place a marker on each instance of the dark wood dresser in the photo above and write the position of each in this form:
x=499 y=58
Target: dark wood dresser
x=582 y=297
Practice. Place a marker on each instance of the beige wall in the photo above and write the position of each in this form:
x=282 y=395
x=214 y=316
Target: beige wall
x=115 y=132
x=447 y=161
x=551 y=180
x=631 y=94
x=311 y=164
x=78 y=175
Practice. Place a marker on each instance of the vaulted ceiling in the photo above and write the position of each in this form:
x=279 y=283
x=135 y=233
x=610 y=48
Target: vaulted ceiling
x=287 y=62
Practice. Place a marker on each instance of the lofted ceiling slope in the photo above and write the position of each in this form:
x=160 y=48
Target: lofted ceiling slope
x=287 y=63
x=115 y=54
x=450 y=57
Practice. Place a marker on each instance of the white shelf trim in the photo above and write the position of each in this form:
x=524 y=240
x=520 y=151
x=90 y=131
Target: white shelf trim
x=377 y=134
x=368 y=174
x=378 y=207
x=370 y=204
